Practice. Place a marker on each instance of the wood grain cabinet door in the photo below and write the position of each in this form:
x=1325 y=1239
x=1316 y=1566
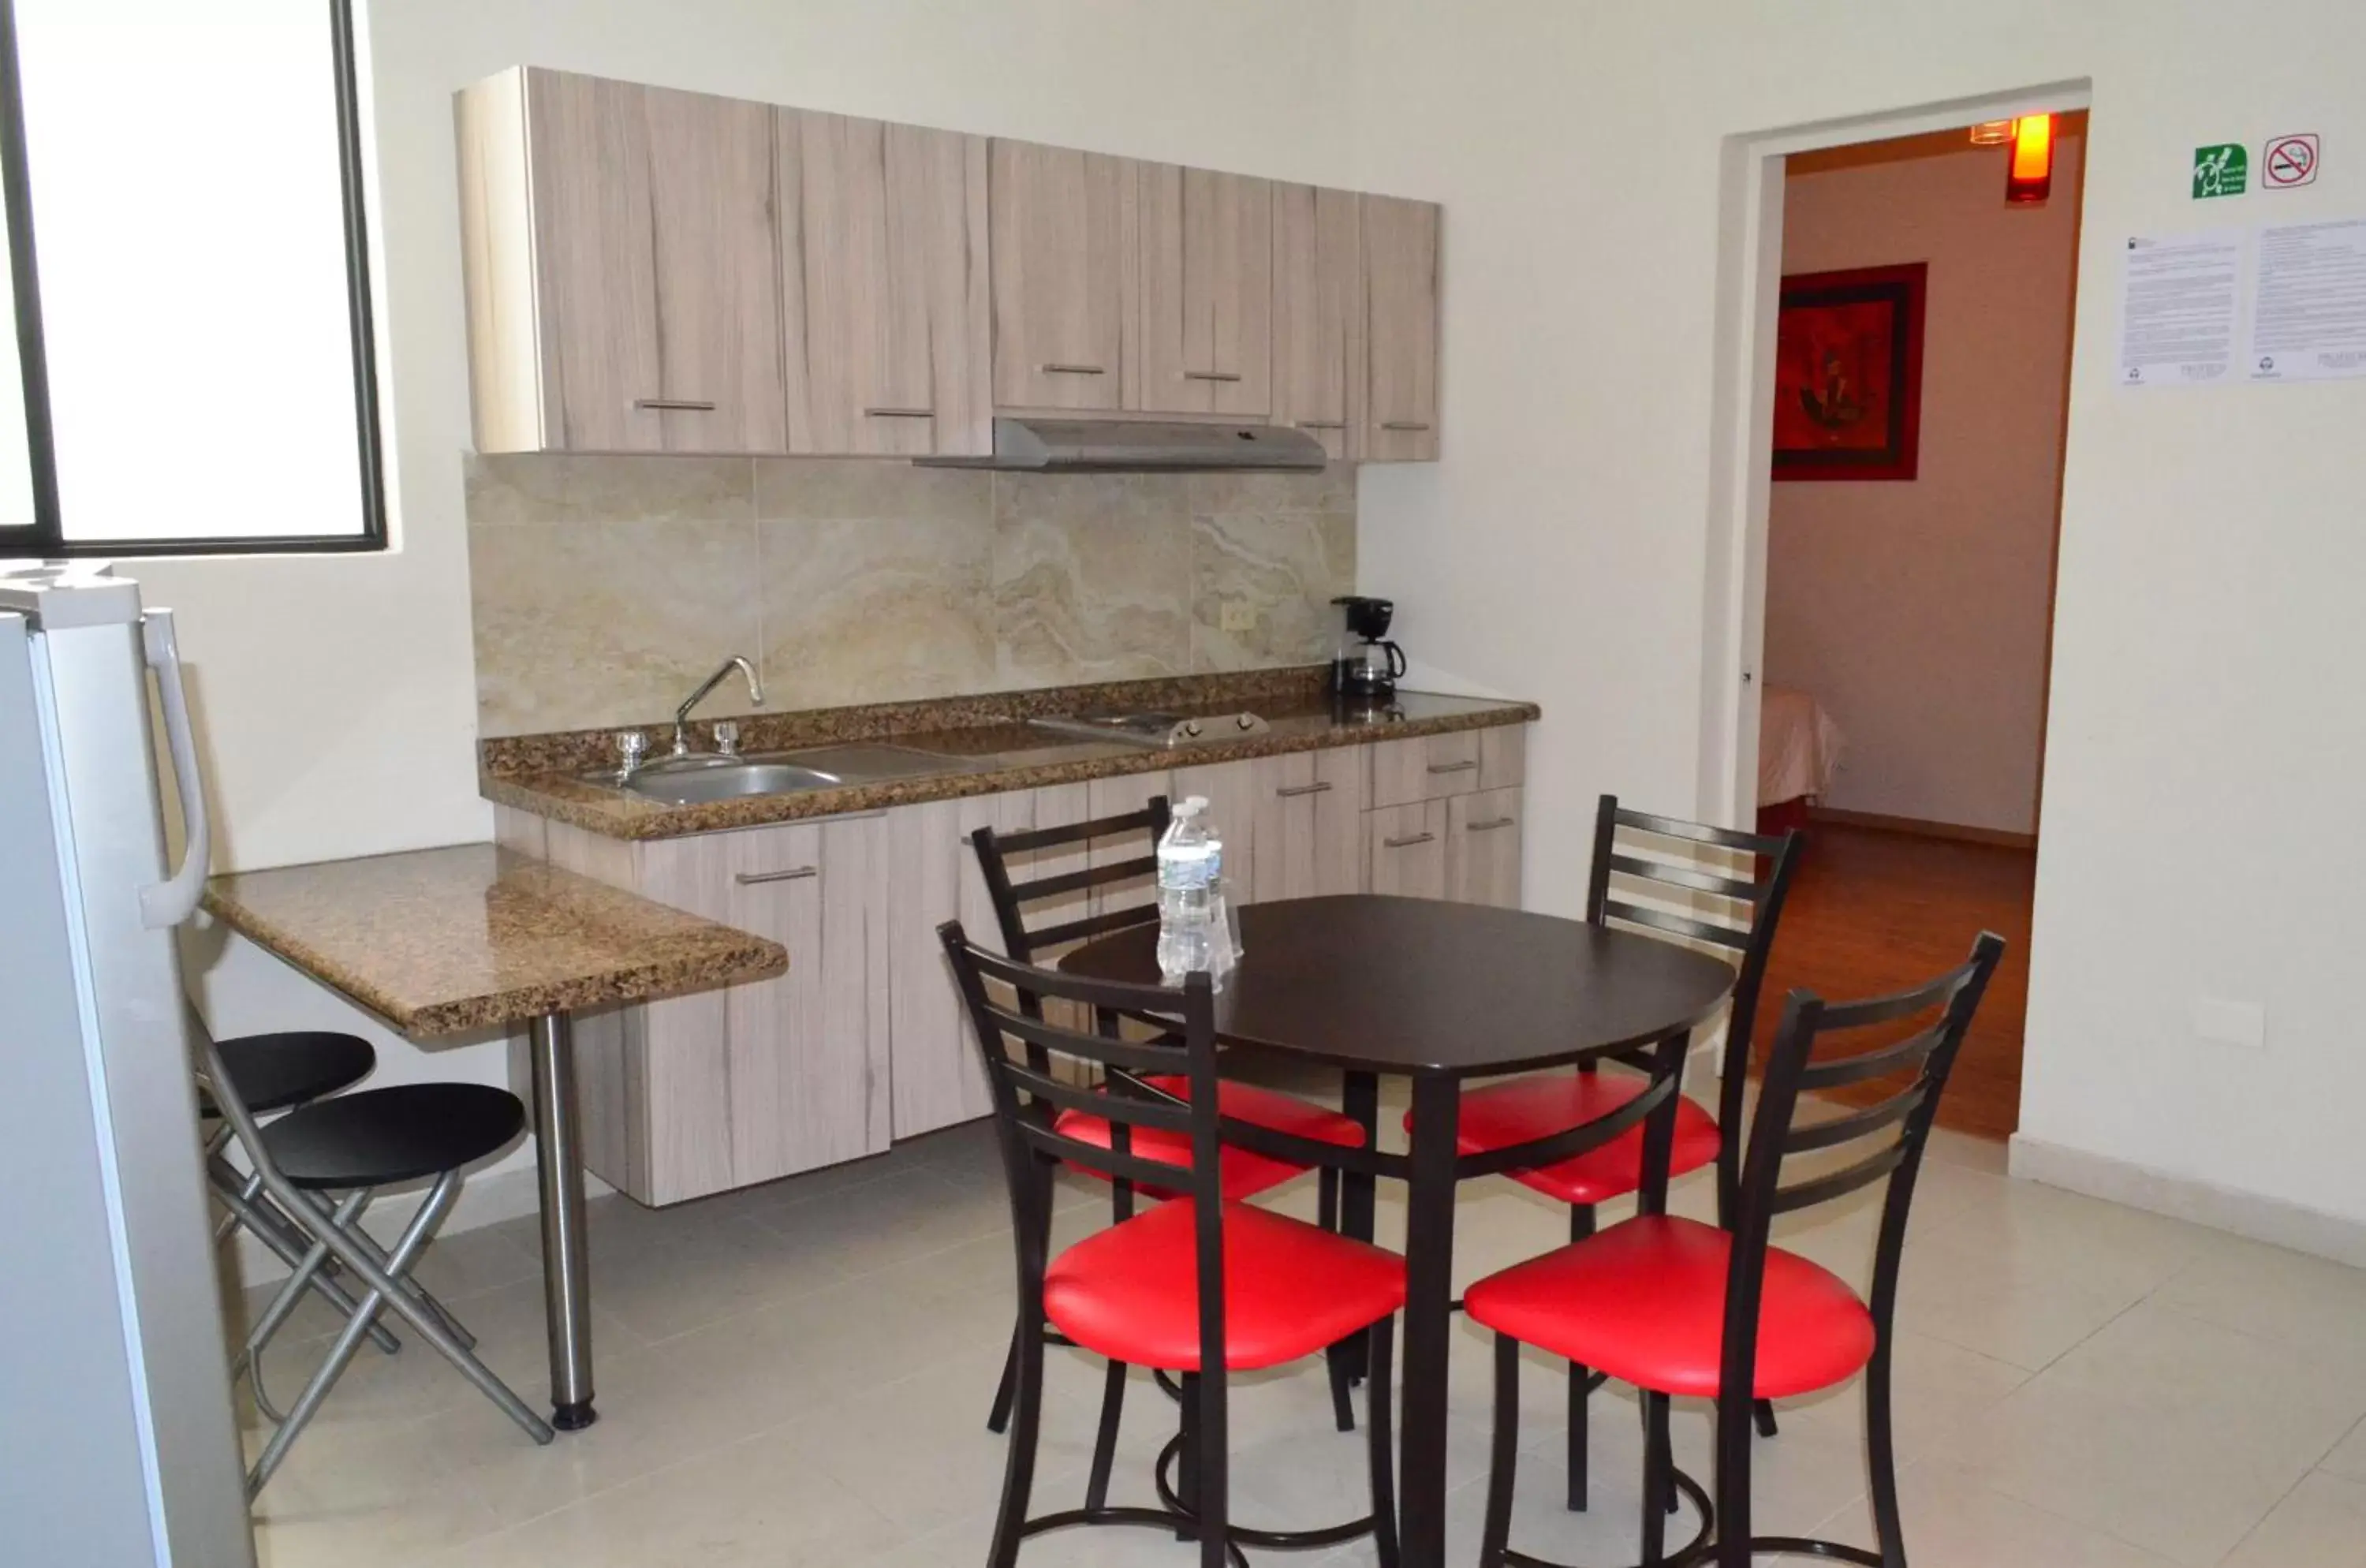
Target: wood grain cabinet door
x=883 y=283
x=809 y=1062
x=1310 y=823
x=657 y=275
x=1318 y=316
x=939 y=1076
x=1401 y=244
x=1206 y=338
x=1063 y=237
x=1482 y=847
x=1407 y=849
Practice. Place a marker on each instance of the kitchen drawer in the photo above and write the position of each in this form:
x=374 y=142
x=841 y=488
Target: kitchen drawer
x=1405 y=850
x=1504 y=757
x=1427 y=767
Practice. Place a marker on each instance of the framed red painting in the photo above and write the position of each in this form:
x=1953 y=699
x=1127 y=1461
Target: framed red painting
x=1848 y=374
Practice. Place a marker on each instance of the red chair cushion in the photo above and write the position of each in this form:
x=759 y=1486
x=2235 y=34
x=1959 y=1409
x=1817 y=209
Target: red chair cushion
x=1644 y=1301
x=1132 y=1292
x=1246 y=1172
x=1518 y=1111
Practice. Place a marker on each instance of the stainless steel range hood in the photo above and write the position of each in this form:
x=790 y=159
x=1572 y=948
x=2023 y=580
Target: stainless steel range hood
x=1139 y=447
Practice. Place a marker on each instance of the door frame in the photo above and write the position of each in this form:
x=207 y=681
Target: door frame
x=1749 y=288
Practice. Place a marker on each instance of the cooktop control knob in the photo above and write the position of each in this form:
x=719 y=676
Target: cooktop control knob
x=1191 y=729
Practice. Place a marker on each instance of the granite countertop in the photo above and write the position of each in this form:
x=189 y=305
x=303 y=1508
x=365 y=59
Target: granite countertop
x=987 y=745
x=452 y=940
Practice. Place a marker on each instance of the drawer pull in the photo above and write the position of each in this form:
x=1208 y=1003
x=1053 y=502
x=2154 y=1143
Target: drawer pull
x=1212 y=375
x=1288 y=790
x=1466 y=766
x=794 y=874
x=899 y=413
x=1322 y=424
x=1056 y=368
x=1498 y=822
x=1404 y=425
x=1405 y=842
x=684 y=405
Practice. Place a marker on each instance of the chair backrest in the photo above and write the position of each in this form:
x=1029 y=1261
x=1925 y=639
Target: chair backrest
x=1030 y=1090
x=1011 y=898
x=1887 y=1135
x=1681 y=863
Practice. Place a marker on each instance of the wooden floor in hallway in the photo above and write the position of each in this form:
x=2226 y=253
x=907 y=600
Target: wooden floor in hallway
x=1873 y=910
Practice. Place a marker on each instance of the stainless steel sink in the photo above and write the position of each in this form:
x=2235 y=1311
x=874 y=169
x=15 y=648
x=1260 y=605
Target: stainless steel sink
x=871 y=761
x=697 y=781
x=694 y=781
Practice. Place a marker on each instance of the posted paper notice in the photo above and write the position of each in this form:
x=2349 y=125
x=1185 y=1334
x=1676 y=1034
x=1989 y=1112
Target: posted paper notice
x=2178 y=301
x=2308 y=313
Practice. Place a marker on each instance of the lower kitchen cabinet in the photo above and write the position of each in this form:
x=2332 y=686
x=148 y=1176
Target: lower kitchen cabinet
x=1308 y=816
x=1482 y=847
x=1405 y=850
x=932 y=869
x=864 y=1041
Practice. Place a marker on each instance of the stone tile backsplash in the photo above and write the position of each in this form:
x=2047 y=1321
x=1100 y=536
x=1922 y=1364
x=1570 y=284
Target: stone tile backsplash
x=603 y=587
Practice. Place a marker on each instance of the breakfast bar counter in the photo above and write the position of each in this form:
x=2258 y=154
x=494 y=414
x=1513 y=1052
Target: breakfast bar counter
x=471 y=939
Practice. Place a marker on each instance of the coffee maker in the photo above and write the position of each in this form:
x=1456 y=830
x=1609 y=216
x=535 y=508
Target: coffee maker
x=1365 y=666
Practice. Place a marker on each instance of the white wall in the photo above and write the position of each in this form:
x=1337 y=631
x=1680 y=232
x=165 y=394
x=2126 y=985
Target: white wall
x=1915 y=611
x=2207 y=642
x=336 y=693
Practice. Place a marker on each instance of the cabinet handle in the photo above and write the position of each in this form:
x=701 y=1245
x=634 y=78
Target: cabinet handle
x=899 y=413
x=1212 y=375
x=686 y=405
x=1288 y=790
x=1415 y=838
x=1482 y=826
x=794 y=874
x=1322 y=424
x=1058 y=369
x=1464 y=766
x=1404 y=425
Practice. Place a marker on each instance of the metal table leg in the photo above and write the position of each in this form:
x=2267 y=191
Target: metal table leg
x=1359 y=1099
x=1429 y=1321
x=559 y=1161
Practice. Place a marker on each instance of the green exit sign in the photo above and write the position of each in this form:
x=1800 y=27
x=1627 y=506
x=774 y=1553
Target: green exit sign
x=2222 y=170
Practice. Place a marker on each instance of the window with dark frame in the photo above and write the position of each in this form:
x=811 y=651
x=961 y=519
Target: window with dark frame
x=52 y=531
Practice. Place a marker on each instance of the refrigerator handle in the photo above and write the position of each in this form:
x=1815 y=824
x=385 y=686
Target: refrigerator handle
x=170 y=902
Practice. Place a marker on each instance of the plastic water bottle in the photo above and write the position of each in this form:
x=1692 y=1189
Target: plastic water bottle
x=1190 y=866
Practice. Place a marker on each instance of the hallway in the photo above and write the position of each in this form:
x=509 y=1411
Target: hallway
x=1872 y=910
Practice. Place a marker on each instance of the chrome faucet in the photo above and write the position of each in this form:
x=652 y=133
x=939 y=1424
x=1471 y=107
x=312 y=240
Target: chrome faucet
x=681 y=714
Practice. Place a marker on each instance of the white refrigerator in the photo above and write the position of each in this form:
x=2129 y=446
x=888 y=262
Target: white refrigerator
x=118 y=1443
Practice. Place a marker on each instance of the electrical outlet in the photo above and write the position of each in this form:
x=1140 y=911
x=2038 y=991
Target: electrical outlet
x=1236 y=616
x=2243 y=1025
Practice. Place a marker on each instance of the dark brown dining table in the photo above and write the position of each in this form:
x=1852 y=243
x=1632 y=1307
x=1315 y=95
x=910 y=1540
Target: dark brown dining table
x=1437 y=993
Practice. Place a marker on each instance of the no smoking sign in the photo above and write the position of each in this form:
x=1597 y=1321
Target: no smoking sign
x=2289 y=161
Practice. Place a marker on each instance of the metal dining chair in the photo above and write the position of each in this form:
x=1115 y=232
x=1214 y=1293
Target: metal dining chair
x=1245 y=1173
x=1682 y=1309
x=1691 y=897
x=354 y=1145
x=1199 y=1286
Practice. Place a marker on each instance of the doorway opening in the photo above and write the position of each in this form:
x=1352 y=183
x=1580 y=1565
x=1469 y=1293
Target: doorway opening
x=1909 y=387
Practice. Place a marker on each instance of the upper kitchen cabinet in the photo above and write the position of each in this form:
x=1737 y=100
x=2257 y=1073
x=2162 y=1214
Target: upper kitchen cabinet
x=1205 y=343
x=622 y=268
x=1318 y=316
x=1063 y=232
x=884 y=288
x=1401 y=304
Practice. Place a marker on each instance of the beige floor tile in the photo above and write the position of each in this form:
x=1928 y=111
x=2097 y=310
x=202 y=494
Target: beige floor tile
x=2171 y=1433
x=370 y=1494
x=2348 y=1456
x=2321 y=1525
x=659 y=1288
x=1950 y=1520
x=1935 y=1389
x=757 y=1503
x=2303 y=1300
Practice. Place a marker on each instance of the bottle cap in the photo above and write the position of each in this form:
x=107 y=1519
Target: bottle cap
x=1191 y=806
